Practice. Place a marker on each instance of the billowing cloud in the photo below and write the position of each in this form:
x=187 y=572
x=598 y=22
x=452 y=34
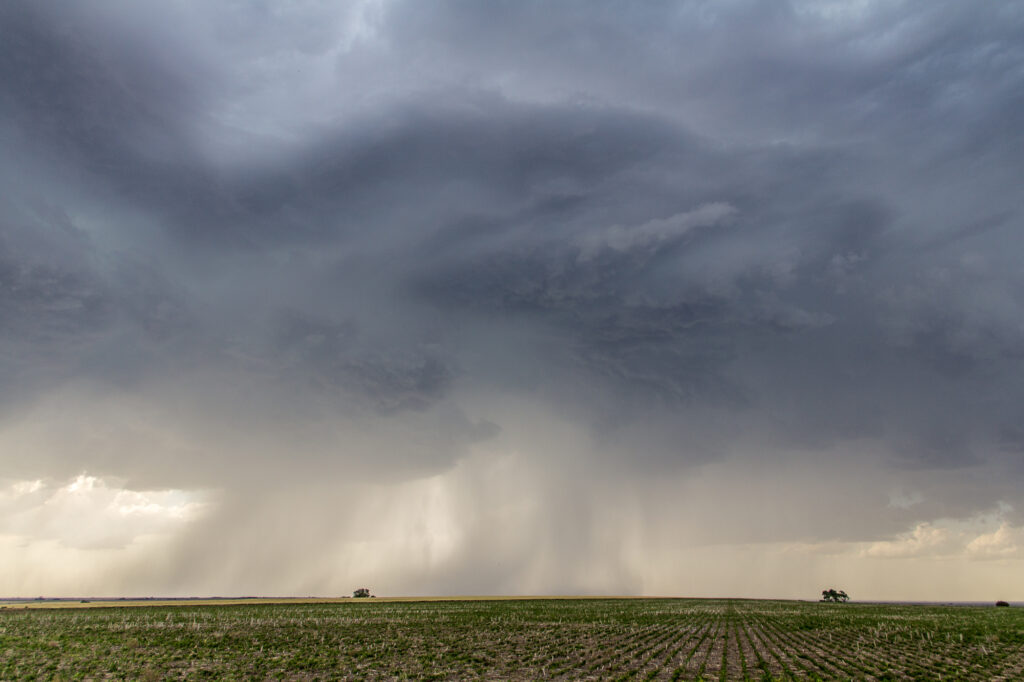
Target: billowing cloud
x=89 y=513
x=653 y=233
x=489 y=297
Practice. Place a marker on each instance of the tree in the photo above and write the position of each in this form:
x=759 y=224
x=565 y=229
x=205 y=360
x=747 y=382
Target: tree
x=835 y=596
x=361 y=592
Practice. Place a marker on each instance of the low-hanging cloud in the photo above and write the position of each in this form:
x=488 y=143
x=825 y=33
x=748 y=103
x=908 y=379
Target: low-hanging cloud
x=468 y=295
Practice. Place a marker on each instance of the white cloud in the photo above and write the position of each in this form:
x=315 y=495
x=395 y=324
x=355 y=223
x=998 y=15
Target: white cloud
x=984 y=536
x=1004 y=542
x=654 y=233
x=89 y=512
x=925 y=539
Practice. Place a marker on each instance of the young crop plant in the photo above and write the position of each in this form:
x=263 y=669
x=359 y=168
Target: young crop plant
x=514 y=640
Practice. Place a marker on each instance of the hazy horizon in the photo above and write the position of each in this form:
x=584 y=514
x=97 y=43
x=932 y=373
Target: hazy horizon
x=102 y=601
x=462 y=297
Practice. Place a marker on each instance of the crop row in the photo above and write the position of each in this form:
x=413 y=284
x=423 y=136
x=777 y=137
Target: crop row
x=655 y=639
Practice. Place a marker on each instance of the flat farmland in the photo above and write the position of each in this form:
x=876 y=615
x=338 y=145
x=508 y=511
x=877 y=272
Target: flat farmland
x=624 y=639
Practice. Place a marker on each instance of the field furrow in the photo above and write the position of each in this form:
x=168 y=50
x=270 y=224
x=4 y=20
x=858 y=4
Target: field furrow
x=681 y=649
x=567 y=639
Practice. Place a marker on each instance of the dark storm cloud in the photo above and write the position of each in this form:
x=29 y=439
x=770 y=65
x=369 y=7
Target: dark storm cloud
x=321 y=242
x=324 y=354
x=113 y=107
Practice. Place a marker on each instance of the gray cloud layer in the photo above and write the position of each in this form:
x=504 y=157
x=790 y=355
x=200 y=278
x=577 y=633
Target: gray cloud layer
x=352 y=242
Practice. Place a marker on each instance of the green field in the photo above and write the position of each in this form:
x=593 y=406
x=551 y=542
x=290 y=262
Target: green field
x=639 y=639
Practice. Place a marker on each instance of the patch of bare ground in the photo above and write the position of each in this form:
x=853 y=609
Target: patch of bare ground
x=676 y=653
x=767 y=664
x=1012 y=667
x=712 y=664
x=738 y=656
x=814 y=656
x=674 y=664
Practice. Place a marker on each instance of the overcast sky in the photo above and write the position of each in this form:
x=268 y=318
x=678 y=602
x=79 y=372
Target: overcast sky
x=488 y=297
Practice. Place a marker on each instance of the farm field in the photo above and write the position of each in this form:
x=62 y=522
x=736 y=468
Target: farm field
x=638 y=639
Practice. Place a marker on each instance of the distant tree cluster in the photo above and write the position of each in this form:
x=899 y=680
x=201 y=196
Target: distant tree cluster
x=835 y=596
x=362 y=592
